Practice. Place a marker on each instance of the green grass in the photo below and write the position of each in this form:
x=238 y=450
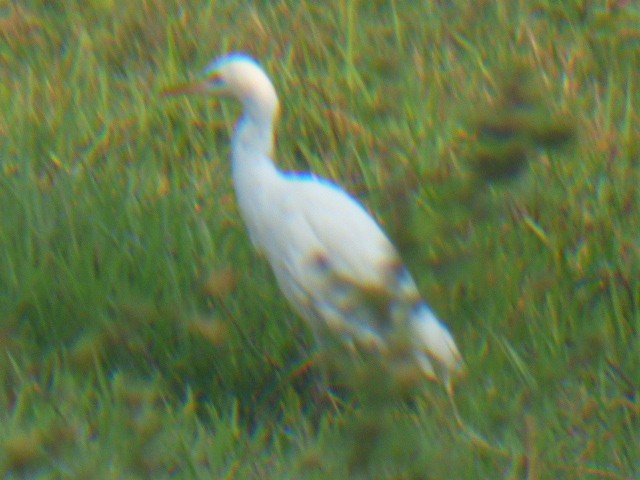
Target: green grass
x=497 y=141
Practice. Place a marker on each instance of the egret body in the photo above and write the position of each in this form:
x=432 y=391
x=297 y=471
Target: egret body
x=331 y=259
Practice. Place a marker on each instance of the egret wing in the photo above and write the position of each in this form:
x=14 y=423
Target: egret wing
x=337 y=260
x=341 y=272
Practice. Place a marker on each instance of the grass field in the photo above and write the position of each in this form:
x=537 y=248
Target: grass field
x=498 y=142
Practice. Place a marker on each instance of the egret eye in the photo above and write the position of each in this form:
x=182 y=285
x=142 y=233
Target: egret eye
x=215 y=80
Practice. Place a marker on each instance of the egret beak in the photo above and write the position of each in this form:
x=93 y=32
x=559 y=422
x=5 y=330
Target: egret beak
x=184 y=88
x=211 y=84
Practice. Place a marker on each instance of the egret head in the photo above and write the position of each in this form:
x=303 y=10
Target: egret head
x=236 y=75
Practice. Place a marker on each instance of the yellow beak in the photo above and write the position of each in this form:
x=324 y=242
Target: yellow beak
x=210 y=84
x=185 y=88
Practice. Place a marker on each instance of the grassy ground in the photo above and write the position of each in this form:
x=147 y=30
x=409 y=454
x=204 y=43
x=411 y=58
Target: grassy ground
x=497 y=141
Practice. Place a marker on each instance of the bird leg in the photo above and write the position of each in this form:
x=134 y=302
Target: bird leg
x=475 y=438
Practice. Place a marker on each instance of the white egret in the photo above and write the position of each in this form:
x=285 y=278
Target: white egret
x=331 y=259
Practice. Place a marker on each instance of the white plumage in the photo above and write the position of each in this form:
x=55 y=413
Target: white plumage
x=332 y=261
